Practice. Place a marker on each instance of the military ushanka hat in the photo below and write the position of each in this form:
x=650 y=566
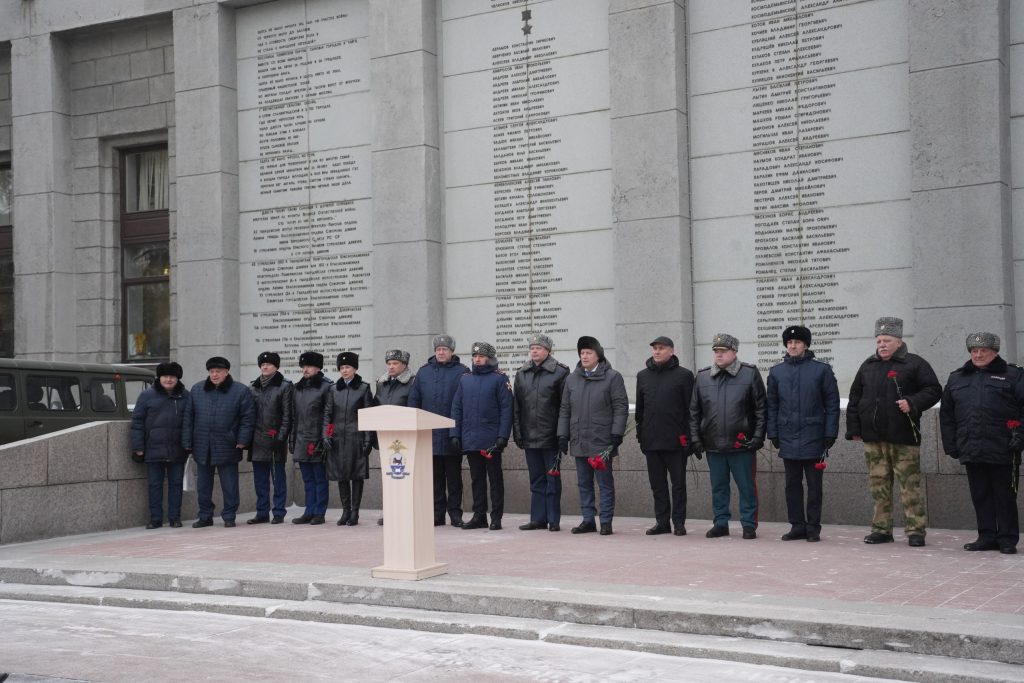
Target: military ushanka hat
x=725 y=341
x=982 y=340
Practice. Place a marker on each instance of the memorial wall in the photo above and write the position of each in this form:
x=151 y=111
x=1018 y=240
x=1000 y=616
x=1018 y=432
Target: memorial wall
x=800 y=173
x=304 y=134
x=527 y=161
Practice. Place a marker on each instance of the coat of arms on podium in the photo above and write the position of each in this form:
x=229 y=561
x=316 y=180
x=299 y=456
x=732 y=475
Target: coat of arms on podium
x=397 y=468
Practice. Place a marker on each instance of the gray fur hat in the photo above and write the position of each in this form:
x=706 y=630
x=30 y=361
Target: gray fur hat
x=397 y=354
x=982 y=340
x=538 y=339
x=444 y=340
x=484 y=349
x=725 y=341
x=890 y=326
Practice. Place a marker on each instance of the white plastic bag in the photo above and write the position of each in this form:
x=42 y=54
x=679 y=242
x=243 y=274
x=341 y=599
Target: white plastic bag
x=188 y=482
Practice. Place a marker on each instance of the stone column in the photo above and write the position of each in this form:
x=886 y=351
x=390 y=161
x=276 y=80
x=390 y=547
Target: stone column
x=44 y=243
x=205 y=276
x=960 y=202
x=408 y=224
x=651 y=203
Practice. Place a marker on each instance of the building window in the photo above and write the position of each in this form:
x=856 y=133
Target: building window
x=6 y=262
x=145 y=255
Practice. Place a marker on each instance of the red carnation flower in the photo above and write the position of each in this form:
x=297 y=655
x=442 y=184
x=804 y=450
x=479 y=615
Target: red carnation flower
x=891 y=374
x=682 y=440
x=597 y=463
x=271 y=433
x=554 y=473
x=741 y=436
x=486 y=454
x=330 y=430
x=309 y=449
x=820 y=465
x=1012 y=424
x=736 y=444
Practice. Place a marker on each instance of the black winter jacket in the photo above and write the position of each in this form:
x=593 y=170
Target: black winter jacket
x=349 y=458
x=274 y=407
x=872 y=413
x=218 y=418
x=312 y=413
x=538 y=397
x=157 y=421
x=726 y=405
x=803 y=406
x=663 y=393
x=976 y=406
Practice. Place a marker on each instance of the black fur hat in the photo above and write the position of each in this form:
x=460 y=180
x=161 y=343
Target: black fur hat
x=170 y=369
x=348 y=358
x=269 y=357
x=312 y=358
x=592 y=344
x=796 y=332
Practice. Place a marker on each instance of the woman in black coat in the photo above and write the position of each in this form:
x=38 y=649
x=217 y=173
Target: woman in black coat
x=348 y=462
x=156 y=439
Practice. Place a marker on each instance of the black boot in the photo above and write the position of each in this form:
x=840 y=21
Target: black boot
x=357 y=498
x=346 y=502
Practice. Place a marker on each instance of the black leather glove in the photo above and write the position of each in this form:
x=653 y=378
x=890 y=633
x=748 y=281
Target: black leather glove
x=454 y=446
x=499 y=446
x=697 y=448
x=138 y=457
x=830 y=441
x=616 y=440
x=755 y=444
x=775 y=442
x=563 y=444
x=367 y=447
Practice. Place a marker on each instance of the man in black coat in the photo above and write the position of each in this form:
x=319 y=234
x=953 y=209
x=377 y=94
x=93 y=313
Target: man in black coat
x=890 y=391
x=663 y=392
x=980 y=418
x=538 y=398
x=727 y=418
x=269 y=453
x=394 y=386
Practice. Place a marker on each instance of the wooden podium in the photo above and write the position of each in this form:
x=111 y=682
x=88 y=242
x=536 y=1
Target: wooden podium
x=407 y=475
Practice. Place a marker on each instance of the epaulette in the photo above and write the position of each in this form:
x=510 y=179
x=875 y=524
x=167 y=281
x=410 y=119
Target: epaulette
x=749 y=365
x=563 y=365
x=704 y=369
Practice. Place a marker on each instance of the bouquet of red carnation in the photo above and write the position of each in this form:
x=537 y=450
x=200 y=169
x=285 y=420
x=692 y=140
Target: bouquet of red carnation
x=741 y=440
x=487 y=454
x=556 y=469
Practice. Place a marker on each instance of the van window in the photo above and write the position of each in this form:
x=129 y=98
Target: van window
x=8 y=399
x=132 y=389
x=52 y=392
x=103 y=395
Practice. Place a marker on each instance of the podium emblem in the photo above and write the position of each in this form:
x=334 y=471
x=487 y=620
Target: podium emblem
x=397 y=468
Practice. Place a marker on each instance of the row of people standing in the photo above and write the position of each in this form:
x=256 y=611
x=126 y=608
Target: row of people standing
x=725 y=410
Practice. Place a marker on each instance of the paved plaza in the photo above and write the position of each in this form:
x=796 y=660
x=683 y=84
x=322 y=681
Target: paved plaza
x=837 y=606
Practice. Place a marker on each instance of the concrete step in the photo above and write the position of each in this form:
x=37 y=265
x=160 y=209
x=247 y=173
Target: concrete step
x=872 y=627
x=751 y=650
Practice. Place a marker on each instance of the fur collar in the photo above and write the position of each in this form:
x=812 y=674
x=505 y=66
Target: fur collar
x=224 y=387
x=356 y=382
x=315 y=381
x=176 y=392
x=404 y=377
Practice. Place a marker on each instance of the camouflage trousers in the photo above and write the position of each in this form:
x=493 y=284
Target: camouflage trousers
x=885 y=460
